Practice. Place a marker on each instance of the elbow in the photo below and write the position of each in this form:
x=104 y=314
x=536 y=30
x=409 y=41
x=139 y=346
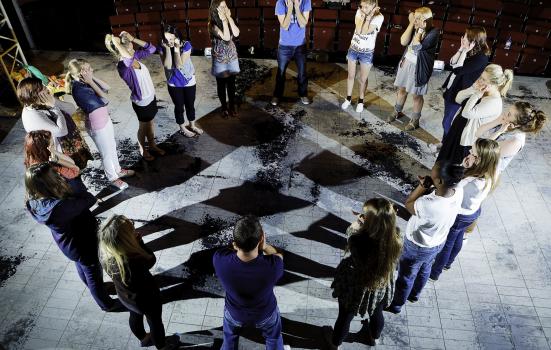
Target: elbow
x=226 y=37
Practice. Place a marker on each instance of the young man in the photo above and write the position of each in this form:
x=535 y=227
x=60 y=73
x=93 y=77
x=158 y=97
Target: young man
x=249 y=273
x=293 y=18
x=432 y=216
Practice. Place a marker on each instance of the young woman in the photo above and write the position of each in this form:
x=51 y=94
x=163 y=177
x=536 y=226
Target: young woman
x=42 y=111
x=127 y=260
x=39 y=148
x=482 y=103
x=90 y=94
x=510 y=129
x=468 y=63
x=368 y=23
x=480 y=178
x=180 y=78
x=67 y=214
x=136 y=75
x=416 y=65
x=364 y=280
x=225 y=63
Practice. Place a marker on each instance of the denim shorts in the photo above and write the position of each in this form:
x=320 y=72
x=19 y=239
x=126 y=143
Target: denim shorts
x=363 y=57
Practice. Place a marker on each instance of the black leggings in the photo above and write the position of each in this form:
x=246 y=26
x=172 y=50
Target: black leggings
x=155 y=322
x=183 y=97
x=342 y=324
x=223 y=85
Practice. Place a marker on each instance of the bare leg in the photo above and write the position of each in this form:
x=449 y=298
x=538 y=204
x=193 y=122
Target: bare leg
x=151 y=138
x=351 y=77
x=142 y=133
x=364 y=73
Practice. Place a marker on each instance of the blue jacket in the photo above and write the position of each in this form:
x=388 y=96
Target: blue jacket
x=86 y=98
x=466 y=75
x=73 y=226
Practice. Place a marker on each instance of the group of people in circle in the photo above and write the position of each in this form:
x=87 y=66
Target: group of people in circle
x=381 y=269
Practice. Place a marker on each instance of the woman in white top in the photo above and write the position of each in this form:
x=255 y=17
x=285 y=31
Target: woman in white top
x=42 y=111
x=368 y=23
x=510 y=129
x=482 y=103
x=480 y=178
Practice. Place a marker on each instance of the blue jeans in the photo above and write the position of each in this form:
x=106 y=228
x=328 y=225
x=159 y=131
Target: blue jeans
x=413 y=272
x=284 y=55
x=270 y=327
x=453 y=244
x=92 y=276
x=450 y=109
x=363 y=57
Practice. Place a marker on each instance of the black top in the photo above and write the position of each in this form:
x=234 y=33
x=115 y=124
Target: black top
x=466 y=75
x=140 y=289
x=425 y=57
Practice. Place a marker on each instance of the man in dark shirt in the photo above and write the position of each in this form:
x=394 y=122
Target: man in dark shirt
x=249 y=273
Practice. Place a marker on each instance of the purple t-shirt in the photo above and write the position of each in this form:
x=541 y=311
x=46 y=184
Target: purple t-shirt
x=249 y=285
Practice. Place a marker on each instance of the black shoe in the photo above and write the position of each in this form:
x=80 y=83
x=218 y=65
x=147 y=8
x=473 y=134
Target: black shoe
x=433 y=278
x=447 y=268
x=413 y=299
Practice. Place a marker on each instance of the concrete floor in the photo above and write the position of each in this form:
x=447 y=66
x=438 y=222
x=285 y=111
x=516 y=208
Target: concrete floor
x=302 y=169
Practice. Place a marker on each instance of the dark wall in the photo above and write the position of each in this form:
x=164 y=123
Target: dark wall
x=66 y=24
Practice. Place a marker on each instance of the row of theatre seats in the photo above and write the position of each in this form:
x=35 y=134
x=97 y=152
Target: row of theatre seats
x=527 y=25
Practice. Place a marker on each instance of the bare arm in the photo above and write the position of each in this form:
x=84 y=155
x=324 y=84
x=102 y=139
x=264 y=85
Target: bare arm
x=458 y=59
x=233 y=27
x=509 y=148
x=139 y=42
x=120 y=48
x=166 y=57
x=177 y=58
x=102 y=84
x=62 y=159
x=302 y=18
x=185 y=56
x=87 y=77
x=482 y=131
x=406 y=35
x=285 y=20
x=410 y=202
x=269 y=250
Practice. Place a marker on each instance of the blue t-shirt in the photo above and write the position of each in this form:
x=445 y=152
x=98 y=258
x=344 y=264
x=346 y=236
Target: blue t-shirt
x=249 y=285
x=294 y=35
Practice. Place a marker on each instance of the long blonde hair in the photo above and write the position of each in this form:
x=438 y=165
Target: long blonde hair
x=376 y=262
x=73 y=70
x=117 y=242
x=503 y=79
x=487 y=161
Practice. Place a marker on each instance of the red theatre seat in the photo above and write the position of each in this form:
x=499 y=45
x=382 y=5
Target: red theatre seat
x=448 y=47
x=458 y=14
x=249 y=26
x=175 y=5
x=534 y=64
x=506 y=58
x=245 y=3
x=484 y=19
x=346 y=31
x=199 y=34
x=270 y=31
x=267 y=3
x=121 y=23
x=517 y=39
x=198 y=4
x=176 y=17
x=538 y=28
x=454 y=28
x=126 y=9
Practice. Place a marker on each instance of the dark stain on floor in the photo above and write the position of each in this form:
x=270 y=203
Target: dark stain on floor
x=17 y=332
x=8 y=266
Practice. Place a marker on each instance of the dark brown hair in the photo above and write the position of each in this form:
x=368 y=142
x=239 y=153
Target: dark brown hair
x=477 y=34
x=28 y=90
x=528 y=118
x=42 y=181
x=36 y=147
x=376 y=247
x=214 y=19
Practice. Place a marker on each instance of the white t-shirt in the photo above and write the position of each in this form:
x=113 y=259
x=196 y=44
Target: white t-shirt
x=366 y=42
x=434 y=217
x=474 y=192
x=518 y=136
x=146 y=85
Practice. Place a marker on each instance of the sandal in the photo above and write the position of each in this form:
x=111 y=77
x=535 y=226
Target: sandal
x=412 y=125
x=225 y=114
x=184 y=131
x=395 y=115
x=196 y=130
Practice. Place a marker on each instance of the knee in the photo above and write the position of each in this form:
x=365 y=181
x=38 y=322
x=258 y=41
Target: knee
x=418 y=98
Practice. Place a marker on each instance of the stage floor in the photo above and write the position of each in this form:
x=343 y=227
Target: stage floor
x=302 y=169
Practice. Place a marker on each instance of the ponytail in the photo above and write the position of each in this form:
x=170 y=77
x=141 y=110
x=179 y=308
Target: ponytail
x=68 y=83
x=507 y=82
x=110 y=47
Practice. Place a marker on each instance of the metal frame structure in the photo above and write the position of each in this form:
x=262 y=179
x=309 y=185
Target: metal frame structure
x=11 y=52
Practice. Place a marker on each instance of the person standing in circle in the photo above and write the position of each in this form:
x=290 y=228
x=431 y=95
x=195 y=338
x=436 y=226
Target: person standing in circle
x=225 y=63
x=136 y=76
x=293 y=18
x=180 y=78
x=368 y=23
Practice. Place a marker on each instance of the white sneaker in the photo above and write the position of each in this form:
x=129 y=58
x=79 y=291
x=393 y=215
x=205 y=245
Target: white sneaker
x=346 y=104
x=286 y=347
x=360 y=108
x=121 y=185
